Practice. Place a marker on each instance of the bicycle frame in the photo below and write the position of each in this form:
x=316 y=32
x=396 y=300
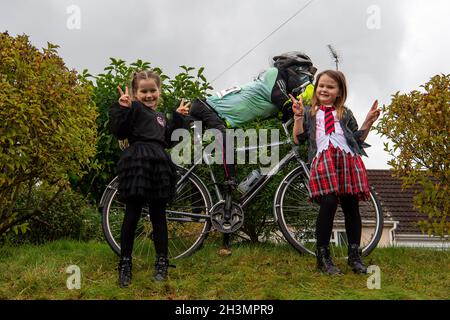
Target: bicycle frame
x=246 y=198
x=204 y=207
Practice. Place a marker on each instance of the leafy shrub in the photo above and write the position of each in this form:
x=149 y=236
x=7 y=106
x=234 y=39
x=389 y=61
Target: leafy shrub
x=417 y=125
x=69 y=216
x=48 y=127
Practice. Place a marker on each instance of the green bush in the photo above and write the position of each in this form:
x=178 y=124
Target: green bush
x=69 y=216
x=47 y=130
x=417 y=125
x=91 y=226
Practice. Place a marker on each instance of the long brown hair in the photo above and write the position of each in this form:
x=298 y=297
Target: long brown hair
x=342 y=95
x=142 y=75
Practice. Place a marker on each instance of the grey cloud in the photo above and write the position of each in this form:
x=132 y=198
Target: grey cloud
x=214 y=34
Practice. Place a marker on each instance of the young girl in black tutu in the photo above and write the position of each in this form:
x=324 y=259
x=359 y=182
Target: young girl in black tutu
x=146 y=172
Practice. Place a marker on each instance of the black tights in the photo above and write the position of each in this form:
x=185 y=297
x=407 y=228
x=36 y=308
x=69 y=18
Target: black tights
x=158 y=217
x=324 y=223
x=200 y=110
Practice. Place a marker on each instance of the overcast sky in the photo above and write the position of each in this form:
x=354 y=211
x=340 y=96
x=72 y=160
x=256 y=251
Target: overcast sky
x=386 y=46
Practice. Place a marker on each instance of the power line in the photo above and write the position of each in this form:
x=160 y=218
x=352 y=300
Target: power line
x=259 y=43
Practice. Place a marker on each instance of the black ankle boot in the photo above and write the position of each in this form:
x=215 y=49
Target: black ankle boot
x=124 y=268
x=161 y=266
x=324 y=261
x=354 y=259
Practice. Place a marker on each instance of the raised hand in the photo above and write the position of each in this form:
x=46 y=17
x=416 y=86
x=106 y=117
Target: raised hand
x=373 y=113
x=125 y=99
x=183 y=108
x=297 y=106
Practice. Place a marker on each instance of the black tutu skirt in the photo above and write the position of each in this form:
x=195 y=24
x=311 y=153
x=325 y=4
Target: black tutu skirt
x=146 y=173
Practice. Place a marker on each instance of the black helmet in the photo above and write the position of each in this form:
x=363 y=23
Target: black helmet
x=299 y=70
x=291 y=58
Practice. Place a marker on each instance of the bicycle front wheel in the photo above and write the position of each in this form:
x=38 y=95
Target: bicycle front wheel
x=188 y=222
x=296 y=217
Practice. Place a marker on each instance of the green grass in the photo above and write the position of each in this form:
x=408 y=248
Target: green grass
x=261 y=271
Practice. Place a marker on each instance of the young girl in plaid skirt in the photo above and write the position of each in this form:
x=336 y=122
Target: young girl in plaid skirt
x=338 y=175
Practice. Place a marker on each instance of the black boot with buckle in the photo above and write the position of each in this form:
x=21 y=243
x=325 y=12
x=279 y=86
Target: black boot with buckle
x=324 y=261
x=161 y=266
x=354 y=259
x=124 y=268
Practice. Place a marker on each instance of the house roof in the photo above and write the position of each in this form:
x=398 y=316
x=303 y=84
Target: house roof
x=397 y=204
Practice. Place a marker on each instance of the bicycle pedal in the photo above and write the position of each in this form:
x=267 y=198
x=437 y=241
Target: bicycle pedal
x=231 y=182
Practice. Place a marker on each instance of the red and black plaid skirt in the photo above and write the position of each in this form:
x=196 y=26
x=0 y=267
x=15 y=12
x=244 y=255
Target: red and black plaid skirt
x=334 y=171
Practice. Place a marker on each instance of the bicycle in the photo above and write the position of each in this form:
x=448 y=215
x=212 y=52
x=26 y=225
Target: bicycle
x=193 y=214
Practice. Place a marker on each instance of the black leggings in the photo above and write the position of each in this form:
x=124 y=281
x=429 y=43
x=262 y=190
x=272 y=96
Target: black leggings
x=324 y=223
x=158 y=217
x=200 y=110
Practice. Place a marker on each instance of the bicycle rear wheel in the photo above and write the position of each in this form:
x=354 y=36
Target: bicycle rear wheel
x=296 y=217
x=188 y=221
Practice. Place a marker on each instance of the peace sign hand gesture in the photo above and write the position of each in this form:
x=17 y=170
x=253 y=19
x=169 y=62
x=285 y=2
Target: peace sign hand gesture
x=183 y=108
x=297 y=106
x=373 y=113
x=125 y=99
